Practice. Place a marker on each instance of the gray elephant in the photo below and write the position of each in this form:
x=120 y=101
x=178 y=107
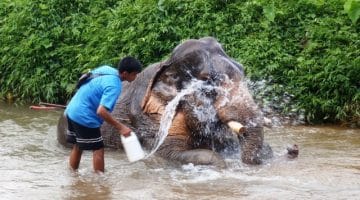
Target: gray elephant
x=210 y=112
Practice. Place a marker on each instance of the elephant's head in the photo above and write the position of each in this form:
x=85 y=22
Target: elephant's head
x=215 y=99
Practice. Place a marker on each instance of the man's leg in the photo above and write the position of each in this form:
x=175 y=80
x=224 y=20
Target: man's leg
x=98 y=160
x=75 y=157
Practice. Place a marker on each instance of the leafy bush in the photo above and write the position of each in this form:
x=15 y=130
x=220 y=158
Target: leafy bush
x=308 y=48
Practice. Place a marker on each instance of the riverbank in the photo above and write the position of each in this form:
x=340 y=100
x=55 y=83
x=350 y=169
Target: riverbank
x=308 y=49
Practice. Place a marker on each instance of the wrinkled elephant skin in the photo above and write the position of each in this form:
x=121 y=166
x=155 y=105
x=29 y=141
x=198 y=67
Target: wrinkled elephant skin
x=199 y=132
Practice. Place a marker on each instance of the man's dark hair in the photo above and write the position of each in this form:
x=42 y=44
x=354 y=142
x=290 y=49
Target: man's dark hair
x=129 y=64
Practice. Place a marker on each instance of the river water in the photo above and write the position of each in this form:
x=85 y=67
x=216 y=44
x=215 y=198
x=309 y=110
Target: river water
x=34 y=166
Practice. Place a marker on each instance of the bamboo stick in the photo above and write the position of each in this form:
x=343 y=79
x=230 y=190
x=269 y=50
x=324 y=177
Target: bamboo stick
x=52 y=105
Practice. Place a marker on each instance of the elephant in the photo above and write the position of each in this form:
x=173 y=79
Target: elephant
x=212 y=113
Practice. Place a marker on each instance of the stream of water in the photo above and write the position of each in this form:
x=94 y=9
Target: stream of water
x=204 y=112
x=169 y=113
x=35 y=166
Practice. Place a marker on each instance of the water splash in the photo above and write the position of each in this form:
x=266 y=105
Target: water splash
x=170 y=110
x=277 y=105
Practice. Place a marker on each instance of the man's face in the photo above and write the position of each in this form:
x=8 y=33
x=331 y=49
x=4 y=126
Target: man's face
x=131 y=76
x=126 y=76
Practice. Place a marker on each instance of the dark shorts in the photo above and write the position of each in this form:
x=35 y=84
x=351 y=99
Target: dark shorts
x=86 y=138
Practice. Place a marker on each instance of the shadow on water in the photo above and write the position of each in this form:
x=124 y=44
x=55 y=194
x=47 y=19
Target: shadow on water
x=35 y=166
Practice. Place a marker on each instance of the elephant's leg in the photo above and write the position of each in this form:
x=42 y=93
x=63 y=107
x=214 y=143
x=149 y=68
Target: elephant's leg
x=176 y=149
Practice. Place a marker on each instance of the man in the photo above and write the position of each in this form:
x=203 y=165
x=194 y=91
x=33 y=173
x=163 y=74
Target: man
x=91 y=105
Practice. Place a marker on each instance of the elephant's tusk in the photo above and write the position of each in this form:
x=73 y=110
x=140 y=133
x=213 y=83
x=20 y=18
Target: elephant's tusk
x=237 y=127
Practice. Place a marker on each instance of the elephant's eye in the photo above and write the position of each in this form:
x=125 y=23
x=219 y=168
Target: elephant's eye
x=217 y=78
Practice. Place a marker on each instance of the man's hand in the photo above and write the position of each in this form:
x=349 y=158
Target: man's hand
x=105 y=114
x=125 y=131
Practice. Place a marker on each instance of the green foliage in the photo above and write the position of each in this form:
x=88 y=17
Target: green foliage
x=352 y=8
x=308 y=48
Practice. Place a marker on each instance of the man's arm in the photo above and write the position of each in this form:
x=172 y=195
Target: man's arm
x=105 y=114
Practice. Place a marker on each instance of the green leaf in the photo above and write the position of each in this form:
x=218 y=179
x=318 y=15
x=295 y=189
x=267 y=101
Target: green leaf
x=269 y=11
x=161 y=5
x=317 y=2
x=352 y=8
x=47 y=43
x=43 y=6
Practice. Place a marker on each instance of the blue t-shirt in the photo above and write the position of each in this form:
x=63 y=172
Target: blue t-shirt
x=101 y=90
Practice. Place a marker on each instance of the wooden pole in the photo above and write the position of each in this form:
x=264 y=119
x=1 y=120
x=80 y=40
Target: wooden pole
x=52 y=105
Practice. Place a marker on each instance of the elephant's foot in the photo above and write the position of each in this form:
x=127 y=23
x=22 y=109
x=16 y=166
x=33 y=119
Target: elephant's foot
x=201 y=157
x=176 y=149
x=195 y=156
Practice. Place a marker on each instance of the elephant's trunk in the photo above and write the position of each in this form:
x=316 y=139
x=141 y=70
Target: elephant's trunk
x=251 y=145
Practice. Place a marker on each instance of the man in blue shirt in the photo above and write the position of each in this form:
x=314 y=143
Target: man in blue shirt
x=92 y=104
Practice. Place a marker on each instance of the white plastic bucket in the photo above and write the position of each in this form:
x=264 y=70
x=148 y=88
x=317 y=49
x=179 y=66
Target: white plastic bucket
x=132 y=147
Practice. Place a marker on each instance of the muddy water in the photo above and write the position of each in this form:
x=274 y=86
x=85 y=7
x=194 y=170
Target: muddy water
x=34 y=166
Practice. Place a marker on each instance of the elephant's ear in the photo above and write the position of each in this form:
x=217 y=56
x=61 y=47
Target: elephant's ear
x=159 y=69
